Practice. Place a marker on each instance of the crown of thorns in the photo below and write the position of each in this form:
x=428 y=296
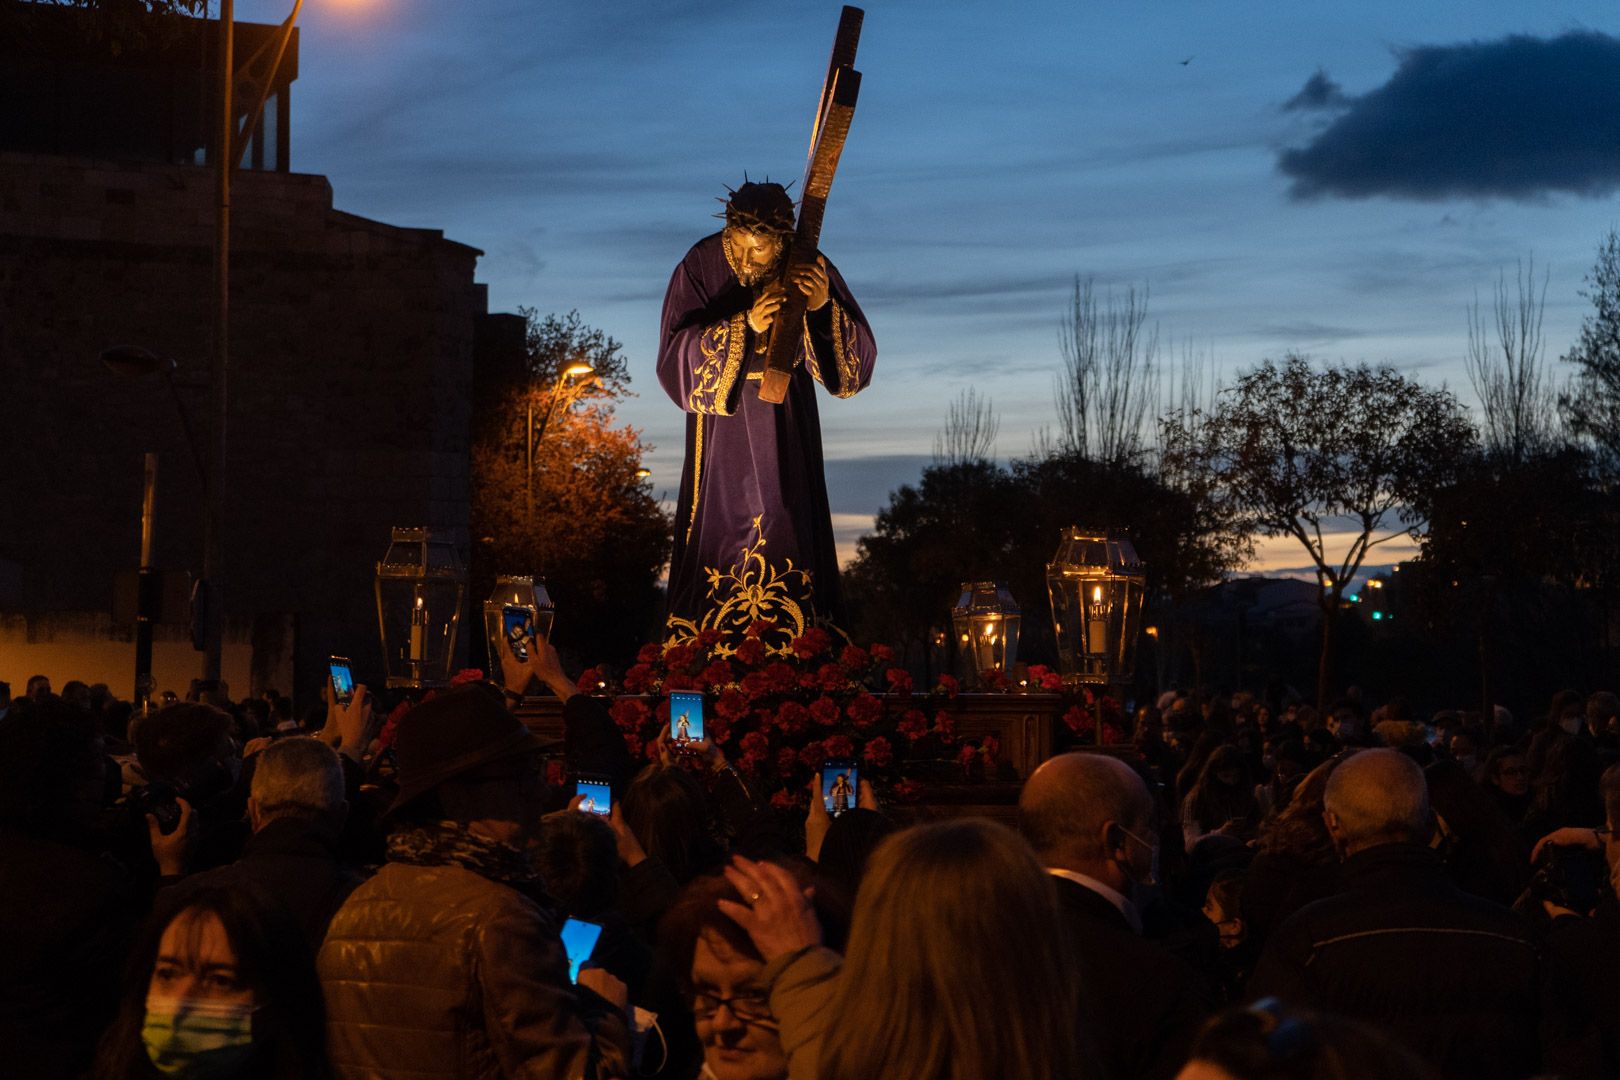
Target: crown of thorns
x=758 y=207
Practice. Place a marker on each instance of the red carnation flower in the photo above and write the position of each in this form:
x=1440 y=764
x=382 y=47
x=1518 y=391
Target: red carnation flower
x=783 y=678
x=949 y=685
x=680 y=657
x=812 y=754
x=944 y=726
x=831 y=677
x=813 y=642
x=755 y=685
x=913 y=725
x=639 y=679
x=838 y=746
x=760 y=627
x=719 y=730
x=784 y=800
x=882 y=654
x=825 y=710
x=966 y=755
x=1079 y=720
x=467 y=675
x=708 y=639
x=586 y=683
x=793 y=717
x=787 y=759
x=755 y=742
x=634 y=745
x=865 y=710
x=1052 y=681
x=733 y=705
x=717 y=673
x=855 y=657
x=907 y=790
x=556 y=774
x=751 y=652
x=878 y=753
x=629 y=714
x=991 y=747
x=900 y=681
x=677 y=681
x=649 y=654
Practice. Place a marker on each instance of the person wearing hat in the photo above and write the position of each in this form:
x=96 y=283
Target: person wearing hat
x=753 y=532
x=447 y=963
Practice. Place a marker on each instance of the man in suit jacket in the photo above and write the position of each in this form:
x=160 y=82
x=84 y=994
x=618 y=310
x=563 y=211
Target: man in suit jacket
x=1089 y=818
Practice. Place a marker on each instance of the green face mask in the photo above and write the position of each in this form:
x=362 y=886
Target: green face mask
x=194 y=1040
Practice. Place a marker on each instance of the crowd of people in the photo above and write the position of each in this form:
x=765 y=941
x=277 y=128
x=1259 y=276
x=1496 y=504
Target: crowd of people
x=1251 y=891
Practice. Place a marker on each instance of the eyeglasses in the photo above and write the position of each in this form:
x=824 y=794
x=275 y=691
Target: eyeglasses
x=750 y=1008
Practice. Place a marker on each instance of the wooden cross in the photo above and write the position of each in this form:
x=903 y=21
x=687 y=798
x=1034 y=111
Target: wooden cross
x=831 y=128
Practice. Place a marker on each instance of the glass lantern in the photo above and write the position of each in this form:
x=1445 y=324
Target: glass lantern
x=986 y=620
x=421 y=584
x=527 y=597
x=1096 y=584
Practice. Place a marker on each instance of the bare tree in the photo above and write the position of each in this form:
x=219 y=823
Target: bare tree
x=1109 y=386
x=969 y=433
x=1517 y=403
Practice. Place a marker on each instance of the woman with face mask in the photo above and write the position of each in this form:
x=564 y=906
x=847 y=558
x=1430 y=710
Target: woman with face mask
x=221 y=984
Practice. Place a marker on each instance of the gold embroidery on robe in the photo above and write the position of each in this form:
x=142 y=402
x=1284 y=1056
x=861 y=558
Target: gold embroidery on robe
x=722 y=347
x=847 y=365
x=751 y=589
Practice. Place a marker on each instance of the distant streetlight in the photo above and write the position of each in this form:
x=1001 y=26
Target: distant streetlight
x=642 y=474
x=578 y=370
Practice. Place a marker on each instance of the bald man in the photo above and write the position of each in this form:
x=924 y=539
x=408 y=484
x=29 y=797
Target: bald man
x=1453 y=976
x=1089 y=818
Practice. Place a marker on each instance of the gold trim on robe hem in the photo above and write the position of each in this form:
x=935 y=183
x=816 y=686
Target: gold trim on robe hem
x=847 y=364
x=751 y=589
x=697 y=473
x=722 y=346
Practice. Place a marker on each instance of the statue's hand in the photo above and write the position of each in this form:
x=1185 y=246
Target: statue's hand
x=763 y=313
x=812 y=281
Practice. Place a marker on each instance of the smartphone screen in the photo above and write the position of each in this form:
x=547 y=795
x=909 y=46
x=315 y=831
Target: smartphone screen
x=342 y=678
x=579 y=941
x=598 y=796
x=517 y=622
x=840 y=782
x=685 y=717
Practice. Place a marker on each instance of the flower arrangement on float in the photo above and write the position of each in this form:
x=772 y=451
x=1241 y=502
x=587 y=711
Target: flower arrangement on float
x=779 y=714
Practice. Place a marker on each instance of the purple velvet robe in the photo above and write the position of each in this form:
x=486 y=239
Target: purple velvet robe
x=753 y=533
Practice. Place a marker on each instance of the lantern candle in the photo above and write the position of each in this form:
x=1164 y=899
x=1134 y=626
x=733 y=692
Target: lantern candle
x=418 y=630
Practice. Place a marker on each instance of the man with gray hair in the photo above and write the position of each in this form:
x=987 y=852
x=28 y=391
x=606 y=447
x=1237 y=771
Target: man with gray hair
x=1453 y=976
x=297 y=807
x=1089 y=818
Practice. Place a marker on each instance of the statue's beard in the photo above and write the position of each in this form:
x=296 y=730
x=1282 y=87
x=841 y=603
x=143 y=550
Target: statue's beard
x=750 y=277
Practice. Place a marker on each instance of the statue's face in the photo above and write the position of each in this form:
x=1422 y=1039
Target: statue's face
x=752 y=255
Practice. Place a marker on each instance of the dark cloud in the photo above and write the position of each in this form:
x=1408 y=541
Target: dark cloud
x=1307 y=332
x=1518 y=118
x=1319 y=92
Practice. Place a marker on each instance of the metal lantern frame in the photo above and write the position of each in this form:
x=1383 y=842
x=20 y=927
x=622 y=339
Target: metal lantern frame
x=516 y=590
x=1097 y=586
x=987 y=621
x=421 y=586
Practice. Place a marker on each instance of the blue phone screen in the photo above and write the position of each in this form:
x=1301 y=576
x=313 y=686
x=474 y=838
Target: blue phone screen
x=342 y=680
x=579 y=941
x=685 y=717
x=598 y=796
x=517 y=623
x=839 y=786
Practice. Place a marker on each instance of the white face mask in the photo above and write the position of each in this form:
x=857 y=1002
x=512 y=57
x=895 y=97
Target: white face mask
x=1571 y=724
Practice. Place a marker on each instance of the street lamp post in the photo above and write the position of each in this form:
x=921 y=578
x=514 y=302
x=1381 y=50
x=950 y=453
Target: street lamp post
x=578 y=369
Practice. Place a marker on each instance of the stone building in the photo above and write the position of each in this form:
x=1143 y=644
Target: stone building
x=352 y=354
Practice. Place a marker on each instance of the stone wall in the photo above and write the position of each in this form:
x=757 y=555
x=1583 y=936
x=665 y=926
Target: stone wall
x=352 y=353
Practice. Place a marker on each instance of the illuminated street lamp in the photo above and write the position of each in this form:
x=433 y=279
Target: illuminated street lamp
x=986 y=619
x=578 y=370
x=421 y=583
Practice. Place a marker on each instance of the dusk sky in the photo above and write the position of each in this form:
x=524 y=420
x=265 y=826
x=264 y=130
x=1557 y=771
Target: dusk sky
x=1335 y=179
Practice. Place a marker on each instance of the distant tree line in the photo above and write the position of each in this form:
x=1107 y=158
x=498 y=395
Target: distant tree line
x=1513 y=507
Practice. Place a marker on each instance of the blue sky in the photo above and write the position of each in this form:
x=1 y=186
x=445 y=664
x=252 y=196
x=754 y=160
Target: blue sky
x=998 y=150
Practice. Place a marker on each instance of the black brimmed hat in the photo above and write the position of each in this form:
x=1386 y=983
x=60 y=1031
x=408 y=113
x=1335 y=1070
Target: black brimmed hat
x=458 y=732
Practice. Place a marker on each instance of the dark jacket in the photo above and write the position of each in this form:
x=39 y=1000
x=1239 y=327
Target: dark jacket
x=66 y=917
x=1141 y=1005
x=296 y=862
x=435 y=971
x=1453 y=976
x=1279 y=884
x=1583 y=956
